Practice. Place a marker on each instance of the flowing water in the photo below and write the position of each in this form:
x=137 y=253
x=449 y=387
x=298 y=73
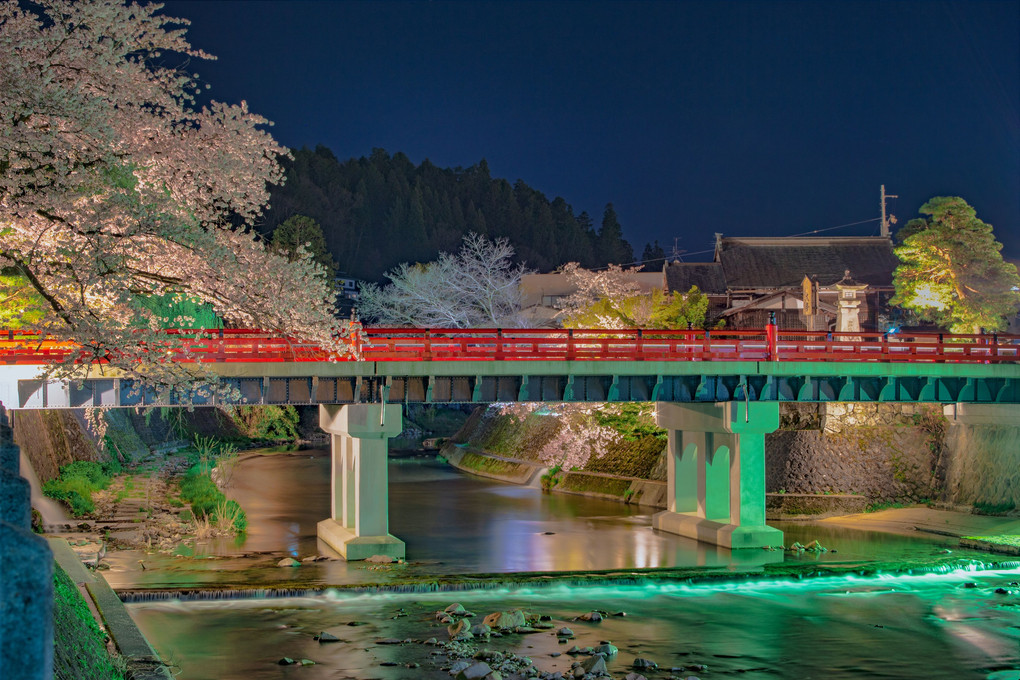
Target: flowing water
x=907 y=626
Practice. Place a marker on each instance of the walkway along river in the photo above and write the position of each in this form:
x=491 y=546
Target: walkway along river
x=940 y=622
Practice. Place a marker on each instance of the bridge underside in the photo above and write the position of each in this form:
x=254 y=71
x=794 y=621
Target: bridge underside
x=705 y=388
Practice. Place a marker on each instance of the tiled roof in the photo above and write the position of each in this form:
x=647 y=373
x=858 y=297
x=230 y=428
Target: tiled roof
x=783 y=262
x=707 y=276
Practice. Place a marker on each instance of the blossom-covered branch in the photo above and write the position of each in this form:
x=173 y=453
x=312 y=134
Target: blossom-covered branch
x=116 y=185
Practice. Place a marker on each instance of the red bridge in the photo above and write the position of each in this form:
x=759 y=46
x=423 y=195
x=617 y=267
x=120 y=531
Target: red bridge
x=437 y=344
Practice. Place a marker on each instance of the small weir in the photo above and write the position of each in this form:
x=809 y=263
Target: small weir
x=938 y=625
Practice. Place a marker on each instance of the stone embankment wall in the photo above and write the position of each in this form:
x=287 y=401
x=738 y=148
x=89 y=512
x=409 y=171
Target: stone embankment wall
x=883 y=452
x=983 y=469
x=878 y=452
x=53 y=438
x=26 y=605
x=509 y=449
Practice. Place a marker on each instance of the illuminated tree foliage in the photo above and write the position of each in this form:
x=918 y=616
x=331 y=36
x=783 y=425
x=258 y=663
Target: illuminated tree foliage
x=951 y=271
x=612 y=298
x=299 y=234
x=20 y=305
x=115 y=185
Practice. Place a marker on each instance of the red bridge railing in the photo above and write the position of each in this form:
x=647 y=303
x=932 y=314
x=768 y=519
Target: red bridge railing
x=436 y=344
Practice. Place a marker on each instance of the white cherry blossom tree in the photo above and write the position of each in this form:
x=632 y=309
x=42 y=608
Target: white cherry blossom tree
x=477 y=287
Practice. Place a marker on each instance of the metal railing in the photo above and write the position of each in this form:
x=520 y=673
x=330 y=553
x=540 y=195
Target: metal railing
x=486 y=344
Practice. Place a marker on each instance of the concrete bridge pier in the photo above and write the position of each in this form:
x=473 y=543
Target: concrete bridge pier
x=716 y=477
x=358 y=526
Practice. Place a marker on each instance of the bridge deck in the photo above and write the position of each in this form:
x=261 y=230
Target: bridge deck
x=485 y=365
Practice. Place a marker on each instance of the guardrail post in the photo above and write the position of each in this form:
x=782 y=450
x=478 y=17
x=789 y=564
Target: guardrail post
x=499 y=344
x=428 y=344
x=639 y=354
x=570 y=345
x=772 y=339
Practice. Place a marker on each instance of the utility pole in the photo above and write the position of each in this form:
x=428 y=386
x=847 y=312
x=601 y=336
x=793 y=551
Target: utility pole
x=885 y=222
x=677 y=252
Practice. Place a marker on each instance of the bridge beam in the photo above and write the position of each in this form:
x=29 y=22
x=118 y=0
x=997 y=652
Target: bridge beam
x=358 y=526
x=716 y=476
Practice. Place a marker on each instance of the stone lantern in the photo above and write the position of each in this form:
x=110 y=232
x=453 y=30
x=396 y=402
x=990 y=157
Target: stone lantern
x=848 y=315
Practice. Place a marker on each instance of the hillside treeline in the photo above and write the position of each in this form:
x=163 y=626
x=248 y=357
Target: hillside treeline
x=381 y=210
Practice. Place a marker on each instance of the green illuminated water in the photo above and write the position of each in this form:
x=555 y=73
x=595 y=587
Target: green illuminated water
x=922 y=627
x=843 y=626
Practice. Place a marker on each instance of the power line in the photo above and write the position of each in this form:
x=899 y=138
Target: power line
x=849 y=224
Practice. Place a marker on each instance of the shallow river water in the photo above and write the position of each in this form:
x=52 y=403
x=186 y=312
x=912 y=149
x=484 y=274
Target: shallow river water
x=891 y=626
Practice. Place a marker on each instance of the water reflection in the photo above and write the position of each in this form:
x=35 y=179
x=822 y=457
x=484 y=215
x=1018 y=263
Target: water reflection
x=476 y=524
x=455 y=523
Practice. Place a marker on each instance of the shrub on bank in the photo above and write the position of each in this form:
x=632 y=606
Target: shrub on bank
x=76 y=484
x=207 y=501
x=79 y=644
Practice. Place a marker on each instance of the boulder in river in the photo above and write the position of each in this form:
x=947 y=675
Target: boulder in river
x=327 y=637
x=507 y=620
x=460 y=630
x=288 y=562
x=476 y=671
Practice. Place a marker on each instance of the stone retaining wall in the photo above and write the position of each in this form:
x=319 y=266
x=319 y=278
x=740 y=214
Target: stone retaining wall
x=26 y=585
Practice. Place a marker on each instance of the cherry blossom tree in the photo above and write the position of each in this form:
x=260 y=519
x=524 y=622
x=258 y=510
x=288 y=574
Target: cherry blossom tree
x=115 y=185
x=478 y=287
x=613 y=298
x=578 y=437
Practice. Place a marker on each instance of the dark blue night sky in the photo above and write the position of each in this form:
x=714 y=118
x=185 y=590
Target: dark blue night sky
x=746 y=118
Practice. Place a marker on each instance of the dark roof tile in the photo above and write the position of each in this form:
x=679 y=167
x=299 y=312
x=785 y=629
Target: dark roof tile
x=707 y=276
x=783 y=262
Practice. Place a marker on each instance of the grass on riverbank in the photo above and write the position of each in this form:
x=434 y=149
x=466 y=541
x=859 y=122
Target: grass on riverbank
x=77 y=482
x=79 y=644
x=208 y=502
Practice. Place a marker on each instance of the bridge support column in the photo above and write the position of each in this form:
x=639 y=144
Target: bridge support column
x=716 y=477
x=359 y=523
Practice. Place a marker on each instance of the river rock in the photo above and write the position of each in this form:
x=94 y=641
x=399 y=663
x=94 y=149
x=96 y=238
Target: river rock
x=431 y=641
x=389 y=641
x=1001 y=591
x=456 y=608
x=573 y=651
x=634 y=676
x=288 y=562
x=565 y=632
x=286 y=661
x=594 y=617
x=460 y=630
x=327 y=637
x=306 y=662
x=476 y=671
x=507 y=620
x=606 y=648
x=644 y=664
x=380 y=559
x=480 y=630
x=1003 y=675
x=596 y=665
x=459 y=666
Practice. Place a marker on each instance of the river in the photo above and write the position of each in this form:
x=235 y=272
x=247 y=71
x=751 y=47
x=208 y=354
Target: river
x=931 y=625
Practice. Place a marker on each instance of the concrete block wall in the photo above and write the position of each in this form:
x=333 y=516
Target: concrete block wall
x=26 y=575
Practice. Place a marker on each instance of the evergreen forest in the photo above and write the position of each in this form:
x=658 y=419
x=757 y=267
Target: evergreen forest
x=381 y=210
